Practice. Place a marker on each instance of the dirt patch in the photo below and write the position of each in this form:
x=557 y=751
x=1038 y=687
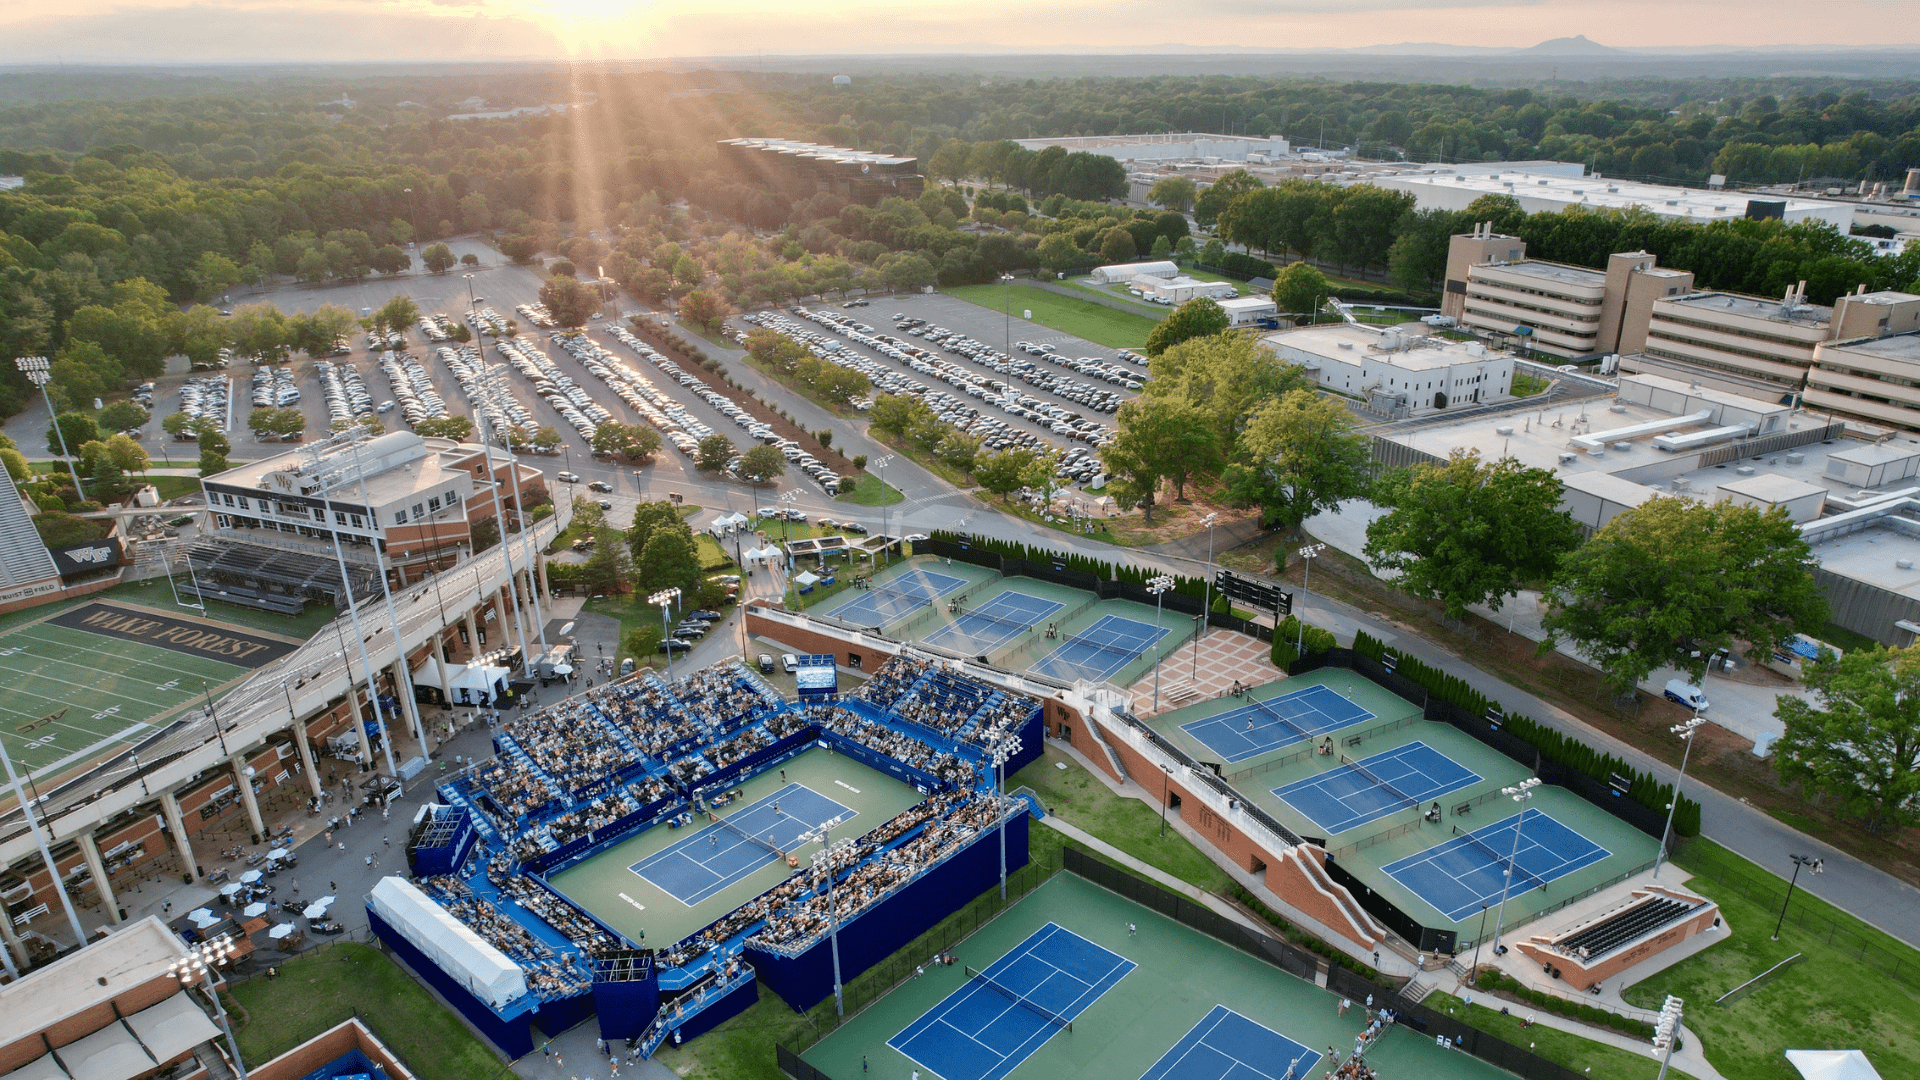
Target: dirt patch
x=1724 y=761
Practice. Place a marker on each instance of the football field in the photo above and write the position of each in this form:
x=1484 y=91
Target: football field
x=100 y=676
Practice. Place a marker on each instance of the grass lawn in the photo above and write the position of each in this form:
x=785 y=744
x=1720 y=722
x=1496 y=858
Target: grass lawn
x=868 y=491
x=1082 y=318
x=1081 y=799
x=327 y=986
x=1581 y=1055
x=1832 y=999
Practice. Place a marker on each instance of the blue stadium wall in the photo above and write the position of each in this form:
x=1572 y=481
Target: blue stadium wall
x=626 y=1008
x=806 y=980
x=513 y=1037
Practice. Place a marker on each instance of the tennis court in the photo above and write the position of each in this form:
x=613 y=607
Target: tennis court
x=999 y=1017
x=896 y=598
x=1459 y=875
x=1369 y=789
x=994 y=624
x=1100 y=650
x=99 y=676
x=1227 y=1046
x=726 y=850
x=1276 y=722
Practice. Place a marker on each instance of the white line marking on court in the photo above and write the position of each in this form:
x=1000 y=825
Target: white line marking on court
x=638 y=906
x=848 y=786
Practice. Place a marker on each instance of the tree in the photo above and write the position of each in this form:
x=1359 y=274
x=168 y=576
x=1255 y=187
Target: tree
x=1219 y=195
x=397 y=315
x=1227 y=376
x=122 y=416
x=437 y=258
x=950 y=161
x=713 y=453
x=276 y=422
x=469 y=259
x=544 y=439
x=1298 y=457
x=454 y=426
x=762 y=463
x=1470 y=531
x=1199 y=317
x=1672 y=581
x=1162 y=248
x=704 y=309
x=77 y=428
x=1005 y=472
x=647 y=517
x=317 y=332
x=610 y=566
x=896 y=414
x=1173 y=192
x=563 y=268
x=1159 y=439
x=1299 y=289
x=670 y=560
x=569 y=302
x=80 y=374
x=213 y=451
x=125 y=455
x=389 y=259
x=1118 y=245
x=1860 y=747
x=631 y=441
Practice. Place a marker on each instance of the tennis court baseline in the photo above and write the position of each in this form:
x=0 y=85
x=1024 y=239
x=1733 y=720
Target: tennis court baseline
x=979 y=1032
x=716 y=855
x=1255 y=729
x=1227 y=1046
x=896 y=598
x=993 y=624
x=1460 y=874
x=1100 y=650
x=1348 y=797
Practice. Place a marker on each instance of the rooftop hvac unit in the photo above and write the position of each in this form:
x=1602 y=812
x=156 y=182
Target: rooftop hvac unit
x=1596 y=453
x=1745 y=470
x=1796 y=458
x=1623 y=447
x=1904 y=564
x=1565 y=458
x=1617 y=408
x=1507 y=430
x=1681 y=483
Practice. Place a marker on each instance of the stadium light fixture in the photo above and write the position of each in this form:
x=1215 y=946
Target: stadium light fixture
x=1520 y=793
x=1685 y=730
x=1309 y=553
x=665 y=599
x=201 y=965
x=999 y=752
x=39 y=373
x=886 y=545
x=1206 y=610
x=1666 y=1031
x=823 y=864
x=1157 y=586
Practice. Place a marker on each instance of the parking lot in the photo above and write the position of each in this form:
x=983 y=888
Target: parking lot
x=1011 y=382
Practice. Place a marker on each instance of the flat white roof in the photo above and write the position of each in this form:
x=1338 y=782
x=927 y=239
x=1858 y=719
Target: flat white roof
x=1349 y=344
x=131 y=956
x=1246 y=303
x=1769 y=487
x=1664 y=199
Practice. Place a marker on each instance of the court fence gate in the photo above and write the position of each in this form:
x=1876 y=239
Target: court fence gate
x=1197 y=916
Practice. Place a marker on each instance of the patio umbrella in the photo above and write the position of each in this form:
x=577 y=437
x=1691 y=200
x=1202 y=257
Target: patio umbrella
x=280 y=931
x=250 y=877
x=324 y=902
x=254 y=910
x=230 y=889
x=277 y=853
x=200 y=913
x=315 y=910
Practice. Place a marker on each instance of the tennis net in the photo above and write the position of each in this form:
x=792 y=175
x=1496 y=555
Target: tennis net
x=1378 y=781
x=1267 y=709
x=745 y=835
x=1046 y=1014
x=1499 y=859
x=1121 y=653
x=1013 y=625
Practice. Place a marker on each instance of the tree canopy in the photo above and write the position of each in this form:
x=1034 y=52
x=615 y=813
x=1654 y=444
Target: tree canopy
x=1859 y=747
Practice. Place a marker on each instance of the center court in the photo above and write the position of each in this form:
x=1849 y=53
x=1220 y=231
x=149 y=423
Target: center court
x=676 y=902
x=1188 y=1003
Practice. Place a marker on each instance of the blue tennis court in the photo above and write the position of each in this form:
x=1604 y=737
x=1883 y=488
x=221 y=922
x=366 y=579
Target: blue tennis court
x=722 y=852
x=1458 y=876
x=1099 y=650
x=994 y=623
x=1252 y=730
x=985 y=1029
x=1369 y=789
x=896 y=598
x=1227 y=1046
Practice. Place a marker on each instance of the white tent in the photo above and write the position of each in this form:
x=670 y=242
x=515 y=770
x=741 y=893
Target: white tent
x=805 y=578
x=761 y=554
x=461 y=953
x=1833 y=1065
x=469 y=681
x=173 y=1027
x=112 y=1053
x=43 y=1067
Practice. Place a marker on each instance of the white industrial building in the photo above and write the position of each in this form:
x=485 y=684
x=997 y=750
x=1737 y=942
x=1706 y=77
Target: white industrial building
x=1179 y=289
x=1545 y=193
x=1116 y=273
x=1247 y=310
x=1169 y=146
x=1396 y=373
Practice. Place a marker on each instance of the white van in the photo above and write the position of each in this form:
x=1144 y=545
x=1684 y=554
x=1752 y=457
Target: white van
x=1685 y=693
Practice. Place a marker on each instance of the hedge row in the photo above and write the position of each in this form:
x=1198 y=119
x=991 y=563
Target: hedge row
x=1553 y=746
x=1103 y=569
x=1496 y=982
x=1315 y=641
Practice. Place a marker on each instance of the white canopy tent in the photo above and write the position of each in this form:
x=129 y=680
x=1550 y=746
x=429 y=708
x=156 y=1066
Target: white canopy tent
x=805 y=578
x=470 y=681
x=762 y=554
x=482 y=969
x=1833 y=1065
x=173 y=1027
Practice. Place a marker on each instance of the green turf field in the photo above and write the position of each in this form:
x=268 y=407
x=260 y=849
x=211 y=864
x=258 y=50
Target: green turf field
x=1182 y=975
x=624 y=900
x=1095 y=322
x=110 y=690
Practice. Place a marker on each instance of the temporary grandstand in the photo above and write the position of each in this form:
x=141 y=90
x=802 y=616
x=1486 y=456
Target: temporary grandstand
x=634 y=852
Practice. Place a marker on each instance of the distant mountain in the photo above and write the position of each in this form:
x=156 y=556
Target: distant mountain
x=1578 y=45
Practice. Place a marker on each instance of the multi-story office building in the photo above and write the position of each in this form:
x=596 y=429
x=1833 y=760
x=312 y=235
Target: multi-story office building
x=1747 y=343
x=1571 y=312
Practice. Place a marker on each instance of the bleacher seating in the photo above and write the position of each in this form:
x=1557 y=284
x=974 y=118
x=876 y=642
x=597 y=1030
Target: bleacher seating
x=1624 y=928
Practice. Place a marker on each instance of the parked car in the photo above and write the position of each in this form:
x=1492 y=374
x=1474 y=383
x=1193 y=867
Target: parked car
x=600 y=485
x=673 y=645
x=605 y=505
x=766 y=663
x=567 y=477
x=789 y=663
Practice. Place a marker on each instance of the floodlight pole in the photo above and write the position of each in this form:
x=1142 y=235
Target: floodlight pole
x=1811 y=862
x=823 y=863
x=1685 y=731
x=1666 y=1031
x=1519 y=793
x=198 y=966
x=886 y=544
x=1308 y=553
x=665 y=598
x=38 y=372
x=1158 y=586
x=1206 y=610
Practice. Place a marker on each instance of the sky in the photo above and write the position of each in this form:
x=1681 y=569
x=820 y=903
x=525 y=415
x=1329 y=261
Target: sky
x=199 y=31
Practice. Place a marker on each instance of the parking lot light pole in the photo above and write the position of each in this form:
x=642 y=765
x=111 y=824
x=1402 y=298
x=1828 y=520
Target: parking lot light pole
x=1519 y=793
x=1206 y=611
x=1812 y=863
x=470 y=300
x=1685 y=730
x=1007 y=279
x=665 y=598
x=1158 y=586
x=38 y=372
x=1308 y=553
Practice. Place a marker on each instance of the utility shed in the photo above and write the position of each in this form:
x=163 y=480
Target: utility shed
x=1874 y=465
x=1802 y=501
